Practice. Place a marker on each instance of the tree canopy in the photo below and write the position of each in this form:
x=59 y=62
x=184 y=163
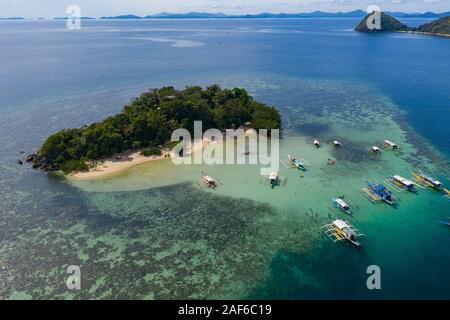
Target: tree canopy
x=150 y=119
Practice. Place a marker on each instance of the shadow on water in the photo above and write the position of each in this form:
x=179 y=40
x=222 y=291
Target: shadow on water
x=342 y=275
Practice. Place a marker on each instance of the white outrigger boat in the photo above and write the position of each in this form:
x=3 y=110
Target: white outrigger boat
x=273 y=179
x=337 y=144
x=403 y=183
x=342 y=205
x=296 y=162
x=340 y=230
x=390 y=145
x=209 y=181
x=317 y=143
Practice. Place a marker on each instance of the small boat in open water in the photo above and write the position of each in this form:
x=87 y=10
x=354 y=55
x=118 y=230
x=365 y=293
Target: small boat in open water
x=337 y=144
x=447 y=194
x=374 y=149
x=381 y=192
x=340 y=230
x=317 y=143
x=342 y=205
x=209 y=181
x=427 y=180
x=296 y=162
x=404 y=183
x=390 y=145
x=273 y=179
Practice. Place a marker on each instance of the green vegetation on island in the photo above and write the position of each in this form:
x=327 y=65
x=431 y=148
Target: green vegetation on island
x=439 y=27
x=148 y=121
x=388 y=24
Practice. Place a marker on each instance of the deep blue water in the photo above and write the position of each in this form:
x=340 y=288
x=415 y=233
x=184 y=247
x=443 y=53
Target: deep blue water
x=52 y=78
x=43 y=60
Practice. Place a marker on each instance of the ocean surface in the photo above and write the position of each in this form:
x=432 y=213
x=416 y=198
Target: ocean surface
x=154 y=232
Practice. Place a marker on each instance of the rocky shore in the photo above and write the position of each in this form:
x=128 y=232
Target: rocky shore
x=39 y=162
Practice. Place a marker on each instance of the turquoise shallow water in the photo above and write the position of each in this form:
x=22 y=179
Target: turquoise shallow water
x=155 y=232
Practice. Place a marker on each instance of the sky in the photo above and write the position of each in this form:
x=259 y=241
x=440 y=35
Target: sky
x=98 y=8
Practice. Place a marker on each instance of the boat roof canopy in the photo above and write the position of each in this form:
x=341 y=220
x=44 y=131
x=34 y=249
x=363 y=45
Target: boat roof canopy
x=403 y=180
x=340 y=224
x=341 y=202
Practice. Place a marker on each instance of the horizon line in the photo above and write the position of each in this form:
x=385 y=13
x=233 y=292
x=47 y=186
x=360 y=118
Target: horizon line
x=224 y=15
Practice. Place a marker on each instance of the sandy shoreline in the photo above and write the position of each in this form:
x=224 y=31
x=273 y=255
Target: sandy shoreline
x=127 y=160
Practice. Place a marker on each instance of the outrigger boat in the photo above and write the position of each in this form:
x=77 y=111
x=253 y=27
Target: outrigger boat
x=317 y=143
x=340 y=230
x=391 y=145
x=296 y=163
x=337 y=144
x=374 y=149
x=209 y=181
x=379 y=192
x=402 y=182
x=273 y=179
x=342 y=205
x=427 y=180
x=447 y=195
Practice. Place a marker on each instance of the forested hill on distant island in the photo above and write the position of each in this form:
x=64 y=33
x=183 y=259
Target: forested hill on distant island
x=440 y=27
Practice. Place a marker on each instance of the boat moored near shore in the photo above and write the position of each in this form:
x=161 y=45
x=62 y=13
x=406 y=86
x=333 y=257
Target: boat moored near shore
x=342 y=205
x=426 y=180
x=210 y=182
x=374 y=149
x=340 y=230
x=445 y=222
x=317 y=143
x=404 y=183
x=273 y=179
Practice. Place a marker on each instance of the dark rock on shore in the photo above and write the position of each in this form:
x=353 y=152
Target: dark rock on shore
x=41 y=162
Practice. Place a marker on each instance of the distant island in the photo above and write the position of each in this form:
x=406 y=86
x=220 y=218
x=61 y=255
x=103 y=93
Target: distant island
x=267 y=15
x=12 y=18
x=148 y=122
x=263 y=15
x=439 y=27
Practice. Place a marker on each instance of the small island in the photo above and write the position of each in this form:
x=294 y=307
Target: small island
x=439 y=27
x=145 y=125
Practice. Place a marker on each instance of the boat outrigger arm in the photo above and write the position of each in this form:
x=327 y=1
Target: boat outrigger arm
x=379 y=192
x=447 y=195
